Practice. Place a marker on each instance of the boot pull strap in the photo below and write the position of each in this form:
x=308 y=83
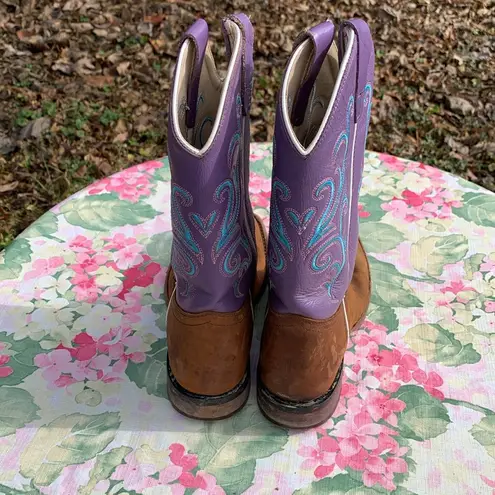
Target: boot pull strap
x=247 y=64
x=365 y=62
x=321 y=36
x=198 y=35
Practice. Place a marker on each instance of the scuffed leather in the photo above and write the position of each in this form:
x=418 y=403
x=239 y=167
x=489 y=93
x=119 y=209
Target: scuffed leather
x=209 y=352
x=300 y=356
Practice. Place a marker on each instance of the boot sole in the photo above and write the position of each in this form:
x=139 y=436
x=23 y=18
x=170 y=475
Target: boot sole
x=207 y=407
x=302 y=414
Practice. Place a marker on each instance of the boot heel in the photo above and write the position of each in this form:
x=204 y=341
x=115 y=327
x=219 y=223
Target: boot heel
x=207 y=406
x=300 y=414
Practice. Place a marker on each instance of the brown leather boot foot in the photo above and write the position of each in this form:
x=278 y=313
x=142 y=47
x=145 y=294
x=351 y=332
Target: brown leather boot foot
x=208 y=352
x=300 y=371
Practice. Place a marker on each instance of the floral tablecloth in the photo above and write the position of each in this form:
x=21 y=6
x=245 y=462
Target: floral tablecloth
x=83 y=401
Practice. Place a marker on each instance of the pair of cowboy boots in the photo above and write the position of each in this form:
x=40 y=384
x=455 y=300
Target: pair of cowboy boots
x=318 y=274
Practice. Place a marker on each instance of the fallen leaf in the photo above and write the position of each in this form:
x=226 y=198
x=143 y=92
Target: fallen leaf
x=123 y=67
x=456 y=146
x=101 y=33
x=81 y=172
x=73 y=5
x=35 y=128
x=84 y=66
x=460 y=105
x=121 y=138
x=63 y=66
x=99 y=81
x=8 y=187
x=155 y=19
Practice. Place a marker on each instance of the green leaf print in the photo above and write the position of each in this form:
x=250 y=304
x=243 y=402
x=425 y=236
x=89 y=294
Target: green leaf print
x=163 y=174
x=17 y=409
x=230 y=448
x=390 y=287
x=342 y=484
x=159 y=248
x=477 y=208
x=6 y=490
x=379 y=237
x=473 y=264
x=484 y=433
x=372 y=205
x=383 y=315
x=431 y=254
x=152 y=373
x=22 y=353
x=45 y=226
x=106 y=211
x=262 y=167
x=14 y=256
x=424 y=417
x=438 y=345
x=69 y=439
x=104 y=466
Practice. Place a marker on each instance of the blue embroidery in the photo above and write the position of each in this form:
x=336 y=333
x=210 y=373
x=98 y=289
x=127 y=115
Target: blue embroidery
x=204 y=225
x=233 y=264
x=327 y=233
x=186 y=252
x=300 y=221
x=279 y=240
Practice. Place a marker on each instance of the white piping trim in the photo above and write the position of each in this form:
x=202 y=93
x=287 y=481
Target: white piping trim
x=226 y=83
x=170 y=302
x=351 y=184
x=285 y=107
x=346 y=320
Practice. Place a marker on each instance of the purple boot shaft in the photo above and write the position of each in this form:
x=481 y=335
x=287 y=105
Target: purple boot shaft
x=213 y=253
x=320 y=133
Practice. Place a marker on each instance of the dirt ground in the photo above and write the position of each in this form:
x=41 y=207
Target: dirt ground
x=84 y=85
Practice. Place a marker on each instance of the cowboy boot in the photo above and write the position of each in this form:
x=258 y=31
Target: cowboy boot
x=318 y=271
x=218 y=250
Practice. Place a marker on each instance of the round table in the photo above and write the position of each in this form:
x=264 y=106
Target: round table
x=83 y=402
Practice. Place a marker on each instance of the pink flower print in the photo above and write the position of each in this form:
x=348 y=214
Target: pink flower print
x=133 y=474
x=357 y=432
x=85 y=288
x=208 y=485
x=88 y=264
x=392 y=163
x=128 y=185
x=44 y=267
x=488 y=481
x=490 y=306
x=128 y=256
x=381 y=406
x=5 y=371
x=119 y=241
x=55 y=363
x=387 y=379
x=430 y=382
x=322 y=458
x=488 y=266
x=379 y=471
x=81 y=244
x=407 y=365
x=150 y=166
x=362 y=212
x=81 y=371
x=179 y=457
x=388 y=445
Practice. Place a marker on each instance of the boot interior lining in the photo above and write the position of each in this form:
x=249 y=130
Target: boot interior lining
x=211 y=94
x=323 y=93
